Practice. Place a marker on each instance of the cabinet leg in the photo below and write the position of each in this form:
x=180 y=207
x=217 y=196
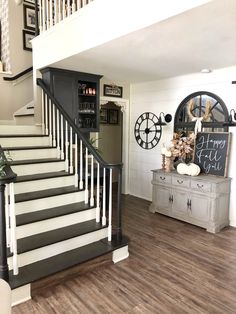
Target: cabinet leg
x=152 y=208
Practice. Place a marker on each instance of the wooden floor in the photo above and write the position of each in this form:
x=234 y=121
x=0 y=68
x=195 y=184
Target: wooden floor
x=173 y=267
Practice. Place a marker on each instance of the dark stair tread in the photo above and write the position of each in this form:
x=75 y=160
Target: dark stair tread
x=44 y=214
x=28 y=147
x=41 y=176
x=57 y=235
x=33 y=161
x=45 y=193
x=22 y=135
x=52 y=265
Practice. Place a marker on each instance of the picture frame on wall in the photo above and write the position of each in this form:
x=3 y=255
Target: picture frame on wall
x=103 y=116
x=112 y=90
x=27 y=37
x=29 y=17
x=113 y=116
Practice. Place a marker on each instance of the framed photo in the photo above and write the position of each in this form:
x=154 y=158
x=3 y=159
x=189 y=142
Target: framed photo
x=29 y=17
x=113 y=116
x=112 y=90
x=103 y=116
x=27 y=37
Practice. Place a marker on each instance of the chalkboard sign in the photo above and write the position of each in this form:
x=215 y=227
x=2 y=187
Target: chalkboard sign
x=211 y=152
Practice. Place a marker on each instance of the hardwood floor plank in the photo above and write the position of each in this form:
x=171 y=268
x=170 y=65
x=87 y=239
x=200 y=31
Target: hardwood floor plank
x=173 y=268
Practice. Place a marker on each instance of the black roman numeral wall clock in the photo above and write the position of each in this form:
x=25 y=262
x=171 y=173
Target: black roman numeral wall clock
x=148 y=129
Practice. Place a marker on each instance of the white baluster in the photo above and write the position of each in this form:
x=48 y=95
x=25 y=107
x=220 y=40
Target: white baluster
x=76 y=161
x=13 y=229
x=98 y=194
x=71 y=151
x=51 y=14
x=43 y=118
x=92 y=183
x=59 y=10
x=55 y=10
x=46 y=114
x=58 y=135
x=62 y=138
x=53 y=126
x=43 y=16
x=83 y=3
x=81 y=184
x=73 y=6
x=68 y=8
x=104 y=221
x=50 y=120
x=40 y=17
x=8 y=235
x=47 y=14
x=66 y=148
x=86 y=175
x=110 y=208
x=78 y=4
x=63 y=9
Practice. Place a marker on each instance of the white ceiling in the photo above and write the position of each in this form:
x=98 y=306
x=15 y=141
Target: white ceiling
x=204 y=37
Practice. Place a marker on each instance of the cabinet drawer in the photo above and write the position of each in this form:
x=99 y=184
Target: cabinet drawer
x=162 y=178
x=201 y=186
x=181 y=181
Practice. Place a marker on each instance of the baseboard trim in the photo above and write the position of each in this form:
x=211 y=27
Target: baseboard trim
x=21 y=294
x=120 y=254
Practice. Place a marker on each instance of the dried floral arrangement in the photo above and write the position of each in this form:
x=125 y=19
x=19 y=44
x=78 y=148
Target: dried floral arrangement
x=182 y=146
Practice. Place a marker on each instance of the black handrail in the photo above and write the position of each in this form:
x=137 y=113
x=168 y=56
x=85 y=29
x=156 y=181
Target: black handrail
x=91 y=149
x=76 y=129
x=9 y=177
x=13 y=78
x=36 y=18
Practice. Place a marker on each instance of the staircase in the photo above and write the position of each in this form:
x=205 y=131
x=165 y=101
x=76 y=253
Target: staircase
x=59 y=211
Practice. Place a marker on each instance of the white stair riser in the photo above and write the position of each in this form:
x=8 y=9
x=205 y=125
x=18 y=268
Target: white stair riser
x=57 y=248
x=22 y=170
x=24 y=141
x=37 y=185
x=54 y=223
x=20 y=129
x=48 y=202
x=33 y=154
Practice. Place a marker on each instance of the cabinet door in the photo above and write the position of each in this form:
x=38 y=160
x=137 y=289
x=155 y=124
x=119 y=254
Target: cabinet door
x=199 y=207
x=180 y=202
x=65 y=92
x=162 y=198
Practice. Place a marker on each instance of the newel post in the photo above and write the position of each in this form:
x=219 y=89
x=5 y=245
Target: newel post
x=119 y=211
x=4 y=274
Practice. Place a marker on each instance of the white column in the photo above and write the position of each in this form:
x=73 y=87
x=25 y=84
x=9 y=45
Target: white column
x=62 y=138
x=104 y=198
x=58 y=135
x=50 y=120
x=110 y=208
x=98 y=194
x=76 y=161
x=7 y=215
x=53 y=126
x=71 y=150
x=43 y=118
x=92 y=183
x=13 y=229
x=66 y=148
x=86 y=175
x=81 y=185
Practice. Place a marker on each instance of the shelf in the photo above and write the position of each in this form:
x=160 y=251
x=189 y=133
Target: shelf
x=87 y=95
x=91 y=113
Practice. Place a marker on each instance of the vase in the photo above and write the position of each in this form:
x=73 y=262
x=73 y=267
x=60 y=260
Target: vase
x=168 y=164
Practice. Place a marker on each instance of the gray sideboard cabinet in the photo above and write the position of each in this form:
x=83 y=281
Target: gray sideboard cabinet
x=202 y=200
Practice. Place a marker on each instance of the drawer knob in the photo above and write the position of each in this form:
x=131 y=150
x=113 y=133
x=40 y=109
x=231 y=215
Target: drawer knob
x=180 y=181
x=162 y=178
x=200 y=186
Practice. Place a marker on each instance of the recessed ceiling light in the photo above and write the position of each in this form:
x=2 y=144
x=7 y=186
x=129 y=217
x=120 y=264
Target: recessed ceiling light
x=206 y=70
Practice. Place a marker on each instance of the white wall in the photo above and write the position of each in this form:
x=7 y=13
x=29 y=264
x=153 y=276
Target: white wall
x=166 y=95
x=15 y=97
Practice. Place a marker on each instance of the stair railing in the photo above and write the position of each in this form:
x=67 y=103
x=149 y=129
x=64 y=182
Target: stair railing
x=7 y=219
x=73 y=147
x=50 y=12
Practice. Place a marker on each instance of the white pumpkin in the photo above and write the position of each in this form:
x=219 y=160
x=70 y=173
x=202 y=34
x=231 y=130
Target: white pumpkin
x=181 y=168
x=190 y=169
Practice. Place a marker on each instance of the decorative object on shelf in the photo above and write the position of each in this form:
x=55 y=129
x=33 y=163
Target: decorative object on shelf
x=29 y=17
x=189 y=169
x=112 y=90
x=104 y=115
x=27 y=37
x=163 y=152
x=113 y=116
x=182 y=147
x=168 y=161
x=211 y=152
x=198 y=120
x=148 y=129
x=231 y=119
